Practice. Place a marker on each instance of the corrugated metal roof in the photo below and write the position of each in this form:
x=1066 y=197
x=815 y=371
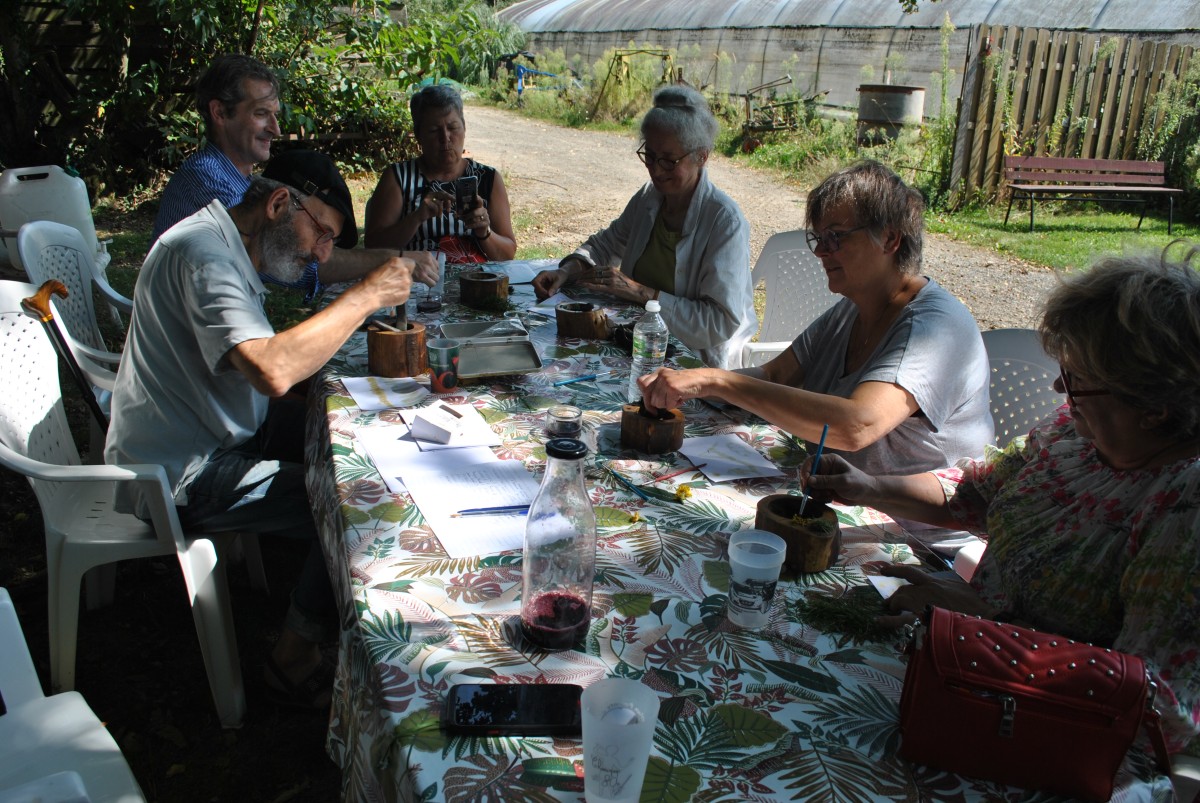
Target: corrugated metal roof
x=642 y=15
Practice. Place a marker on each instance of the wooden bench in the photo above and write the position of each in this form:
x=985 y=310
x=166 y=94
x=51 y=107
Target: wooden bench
x=1087 y=180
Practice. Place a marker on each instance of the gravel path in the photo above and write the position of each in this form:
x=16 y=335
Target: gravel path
x=575 y=182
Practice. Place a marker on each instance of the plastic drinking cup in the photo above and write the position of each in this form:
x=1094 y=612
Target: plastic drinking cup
x=755 y=557
x=619 y=716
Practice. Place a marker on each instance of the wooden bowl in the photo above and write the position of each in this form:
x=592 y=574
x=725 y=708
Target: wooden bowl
x=397 y=353
x=812 y=546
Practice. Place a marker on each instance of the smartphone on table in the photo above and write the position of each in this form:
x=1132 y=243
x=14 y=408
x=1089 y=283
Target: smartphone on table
x=513 y=709
x=465 y=190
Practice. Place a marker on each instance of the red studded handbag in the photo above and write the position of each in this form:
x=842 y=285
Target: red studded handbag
x=1025 y=708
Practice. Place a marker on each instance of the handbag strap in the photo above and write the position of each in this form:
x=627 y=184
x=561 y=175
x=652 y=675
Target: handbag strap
x=1153 y=723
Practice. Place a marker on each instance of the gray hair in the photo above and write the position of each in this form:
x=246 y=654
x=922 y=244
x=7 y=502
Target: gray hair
x=260 y=189
x=880 y=200
x=223 y=81
x=1132 y=324
x=435 y=97
x=683 y=112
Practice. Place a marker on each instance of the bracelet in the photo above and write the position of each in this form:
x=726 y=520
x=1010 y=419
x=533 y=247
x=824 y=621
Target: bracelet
x=486 y=234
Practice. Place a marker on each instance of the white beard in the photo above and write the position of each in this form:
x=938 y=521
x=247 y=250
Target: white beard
x=279 y=250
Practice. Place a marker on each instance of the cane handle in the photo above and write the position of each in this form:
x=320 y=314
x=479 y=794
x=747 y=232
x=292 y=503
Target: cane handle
x=40 y=301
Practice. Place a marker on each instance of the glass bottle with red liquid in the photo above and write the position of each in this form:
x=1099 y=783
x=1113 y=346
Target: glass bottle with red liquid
x=559 y=563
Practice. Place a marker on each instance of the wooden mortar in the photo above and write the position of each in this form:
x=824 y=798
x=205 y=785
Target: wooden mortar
x=397 y=353
x=481 y=289
x=582 y=320
x=811 y=548
x=651 y=433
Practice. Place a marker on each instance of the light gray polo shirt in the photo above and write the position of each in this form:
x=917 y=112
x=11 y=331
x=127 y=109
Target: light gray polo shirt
x=178 y=399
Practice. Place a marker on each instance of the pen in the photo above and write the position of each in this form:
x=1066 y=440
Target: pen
x=680 y=471
x=519 y=510
x=573 y=380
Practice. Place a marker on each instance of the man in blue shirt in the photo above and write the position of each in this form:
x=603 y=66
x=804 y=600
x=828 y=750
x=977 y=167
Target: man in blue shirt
x=238 y=98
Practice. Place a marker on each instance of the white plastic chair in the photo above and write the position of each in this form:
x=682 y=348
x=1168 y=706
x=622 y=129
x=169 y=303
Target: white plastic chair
x=797 y=294
x=82 y=528
x=1185 y=777
x=43 y=739
x=1022 y=387
x=47 y=193
x=51 y=250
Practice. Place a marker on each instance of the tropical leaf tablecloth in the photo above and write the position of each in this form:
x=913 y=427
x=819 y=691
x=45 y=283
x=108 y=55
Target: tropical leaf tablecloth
x=783 y=713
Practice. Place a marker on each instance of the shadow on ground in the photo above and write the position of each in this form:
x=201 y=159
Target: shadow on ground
x=139 y=667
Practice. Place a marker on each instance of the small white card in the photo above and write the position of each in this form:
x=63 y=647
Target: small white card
x=727 y=457
x=473 y=431
x=436 y=423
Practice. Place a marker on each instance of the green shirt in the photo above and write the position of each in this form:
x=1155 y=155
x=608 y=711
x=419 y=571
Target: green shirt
x=656 y=266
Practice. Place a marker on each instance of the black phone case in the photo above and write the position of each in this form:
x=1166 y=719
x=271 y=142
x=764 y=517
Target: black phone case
x=465 y=190
x=492 y=728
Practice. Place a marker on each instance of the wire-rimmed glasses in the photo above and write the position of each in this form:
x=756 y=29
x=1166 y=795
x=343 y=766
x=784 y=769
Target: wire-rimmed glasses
x=327 y=234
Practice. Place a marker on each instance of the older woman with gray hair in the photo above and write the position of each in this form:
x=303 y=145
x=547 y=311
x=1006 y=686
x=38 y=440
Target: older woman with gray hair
x=680 y=240
x=1093 y=518
x=413 y=206
x=897 y=368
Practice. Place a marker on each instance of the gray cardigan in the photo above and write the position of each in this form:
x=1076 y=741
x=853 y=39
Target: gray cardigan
x=712 y=308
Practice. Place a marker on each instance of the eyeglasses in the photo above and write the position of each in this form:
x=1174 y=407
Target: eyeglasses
x=1065 y=377
x=829 y=239
x=327 y=234
x=661 y=162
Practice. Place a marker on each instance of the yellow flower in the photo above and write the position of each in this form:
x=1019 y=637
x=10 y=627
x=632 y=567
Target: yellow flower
x=634 y=518
x=683 y=492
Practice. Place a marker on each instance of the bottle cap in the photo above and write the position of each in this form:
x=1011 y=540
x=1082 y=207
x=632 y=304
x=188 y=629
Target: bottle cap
x=653 y=306
x=566 y=449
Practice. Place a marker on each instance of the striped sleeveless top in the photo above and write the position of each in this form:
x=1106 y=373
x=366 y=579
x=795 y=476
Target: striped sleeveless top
x=414 y=186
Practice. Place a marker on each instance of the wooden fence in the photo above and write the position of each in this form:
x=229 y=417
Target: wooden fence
x=1038 y=92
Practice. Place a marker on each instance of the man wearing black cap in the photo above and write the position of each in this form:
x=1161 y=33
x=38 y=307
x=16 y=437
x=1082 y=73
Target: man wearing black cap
x=201 y=363
x=238 y=99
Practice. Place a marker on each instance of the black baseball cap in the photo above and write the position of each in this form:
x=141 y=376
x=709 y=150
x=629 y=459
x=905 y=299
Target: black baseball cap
x=314 y=173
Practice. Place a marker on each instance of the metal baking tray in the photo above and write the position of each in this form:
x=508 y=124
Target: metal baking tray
x=491 y=356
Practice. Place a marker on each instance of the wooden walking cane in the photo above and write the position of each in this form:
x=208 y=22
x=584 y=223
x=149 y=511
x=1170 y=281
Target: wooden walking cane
x=39 y=306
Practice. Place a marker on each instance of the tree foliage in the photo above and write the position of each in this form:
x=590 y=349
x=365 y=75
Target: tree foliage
x=117 y=105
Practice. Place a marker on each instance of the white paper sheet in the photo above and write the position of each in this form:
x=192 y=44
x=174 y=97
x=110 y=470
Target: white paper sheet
x=395 y=455
x=474 y=431
x=441 y=494
x=728 y=457
x=384 y=393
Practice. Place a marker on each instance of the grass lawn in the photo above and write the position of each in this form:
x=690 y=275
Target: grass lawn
x=1065 y=236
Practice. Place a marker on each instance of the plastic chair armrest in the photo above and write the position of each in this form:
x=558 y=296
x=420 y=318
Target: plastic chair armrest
x=112 y=296
x=99 y=355
x=750 y=351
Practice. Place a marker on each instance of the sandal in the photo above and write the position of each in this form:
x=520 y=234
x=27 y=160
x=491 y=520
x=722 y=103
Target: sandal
x=311 y=694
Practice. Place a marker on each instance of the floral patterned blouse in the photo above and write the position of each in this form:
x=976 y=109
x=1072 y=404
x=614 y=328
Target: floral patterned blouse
x=1105 y=556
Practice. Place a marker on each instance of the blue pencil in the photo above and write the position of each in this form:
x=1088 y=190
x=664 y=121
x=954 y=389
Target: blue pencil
x=573 y=380
x=816 y=465
x=645 y=496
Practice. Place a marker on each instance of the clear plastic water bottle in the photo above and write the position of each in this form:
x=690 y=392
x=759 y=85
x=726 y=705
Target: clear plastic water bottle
x=559 y=563
x=649 y=348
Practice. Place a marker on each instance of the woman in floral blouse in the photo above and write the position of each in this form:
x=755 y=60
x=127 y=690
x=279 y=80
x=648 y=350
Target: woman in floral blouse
x=1094 y=519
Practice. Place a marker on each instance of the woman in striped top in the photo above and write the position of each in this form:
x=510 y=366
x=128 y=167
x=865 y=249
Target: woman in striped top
x=413 y=206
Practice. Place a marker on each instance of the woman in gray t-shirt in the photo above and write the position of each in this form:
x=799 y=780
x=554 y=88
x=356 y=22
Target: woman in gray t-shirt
x=897 y=368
